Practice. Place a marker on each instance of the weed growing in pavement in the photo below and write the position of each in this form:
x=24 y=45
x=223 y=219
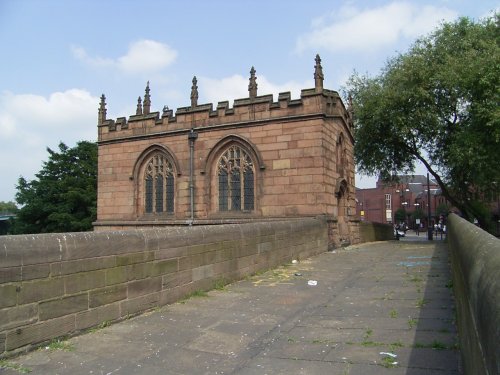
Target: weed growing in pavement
x=393 y=313
x=436 y=344
x=195 y=294
x=100 y=326
x=369 y=343
x=14 y=366
x=412 y=322
x=394 y=345
x=323 y=341
x=389 y=362
x=60 y=345
x=421 y=302
x=220 y=284
x=416 y=279
x=368 y=333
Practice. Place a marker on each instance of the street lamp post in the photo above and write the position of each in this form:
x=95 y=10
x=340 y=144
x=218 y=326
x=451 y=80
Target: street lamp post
x=429 y=225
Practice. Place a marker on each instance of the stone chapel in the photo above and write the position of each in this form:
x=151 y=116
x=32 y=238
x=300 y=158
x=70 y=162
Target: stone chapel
x=257 y=160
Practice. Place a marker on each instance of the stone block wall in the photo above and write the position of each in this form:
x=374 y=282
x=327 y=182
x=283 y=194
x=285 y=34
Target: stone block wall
x=53 y=285
x=369 y=232
x=475 y=265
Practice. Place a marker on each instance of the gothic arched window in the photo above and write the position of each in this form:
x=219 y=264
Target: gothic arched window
x=235 y=175
x=158 y=185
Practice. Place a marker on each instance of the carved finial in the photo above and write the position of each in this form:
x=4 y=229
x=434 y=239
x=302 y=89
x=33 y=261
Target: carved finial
x=139 y=107
x=102 y=111
x=147 y=101
x=252 y=86
x=318 y=75
x=350 y=107
x=194 y=93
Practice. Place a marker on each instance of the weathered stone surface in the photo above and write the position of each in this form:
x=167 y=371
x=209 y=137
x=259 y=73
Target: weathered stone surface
x=142 y=282
x=63 y=306
x=276 y=323
x=142 y=287
x=8 y=295
x=139 y=271
x=94 y=317
x=18 y=316
x=124 y=260
x=10 y=274
x=38 y=271
x=475 y=259
x=203 y=272
x=116 y=275
x=82 y=265
x=84 y=281
x=39 y=290
x=39 y=332
x=107 y=295
x=142 y=303
x=164 y=267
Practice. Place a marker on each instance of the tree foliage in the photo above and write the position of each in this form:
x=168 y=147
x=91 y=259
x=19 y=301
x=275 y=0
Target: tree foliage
x=400 y=215
x=437 y=104
x=8 y=207
x=418 y=214
x=63 y=196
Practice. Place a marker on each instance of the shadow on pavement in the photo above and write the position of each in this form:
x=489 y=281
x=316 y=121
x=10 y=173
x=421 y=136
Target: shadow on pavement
x=435 y=343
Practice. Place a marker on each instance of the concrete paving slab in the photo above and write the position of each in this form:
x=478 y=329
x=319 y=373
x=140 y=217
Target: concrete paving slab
x=372 y=298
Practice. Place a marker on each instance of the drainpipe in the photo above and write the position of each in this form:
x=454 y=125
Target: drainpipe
x=192 y=137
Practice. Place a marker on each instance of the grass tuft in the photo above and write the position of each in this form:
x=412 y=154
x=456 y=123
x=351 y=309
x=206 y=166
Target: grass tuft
x=14 y=366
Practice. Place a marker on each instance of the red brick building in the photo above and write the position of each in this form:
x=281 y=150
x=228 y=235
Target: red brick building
x=381 y=203
x=257 y=160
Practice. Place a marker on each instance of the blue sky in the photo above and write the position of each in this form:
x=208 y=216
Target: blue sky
x=58 y=57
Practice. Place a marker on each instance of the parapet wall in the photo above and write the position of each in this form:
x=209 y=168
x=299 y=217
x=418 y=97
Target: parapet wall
x=369 y=232
x=475 y=258
x=248 y=111
x=53 y=285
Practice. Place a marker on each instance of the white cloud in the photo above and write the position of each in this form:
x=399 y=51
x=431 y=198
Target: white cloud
x=80 y=54
x=213 y=90
x=31 y=123
x=143 y=56
x=351 y=29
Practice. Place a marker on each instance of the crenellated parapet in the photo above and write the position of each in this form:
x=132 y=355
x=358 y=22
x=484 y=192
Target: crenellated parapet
x=248 y=111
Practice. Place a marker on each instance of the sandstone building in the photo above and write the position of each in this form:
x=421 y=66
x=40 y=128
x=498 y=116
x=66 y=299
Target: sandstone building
x=257 y=160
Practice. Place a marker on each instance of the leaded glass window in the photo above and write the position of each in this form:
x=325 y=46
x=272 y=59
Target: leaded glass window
x=235 y=172
x=149 y=193
x=159 y=185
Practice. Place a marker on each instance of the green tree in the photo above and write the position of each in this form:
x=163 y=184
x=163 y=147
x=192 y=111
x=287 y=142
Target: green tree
x=400 y=215
x=8 y=207
x=437 y=104
x=63 y=196
x=442 y=209
x=417 y=214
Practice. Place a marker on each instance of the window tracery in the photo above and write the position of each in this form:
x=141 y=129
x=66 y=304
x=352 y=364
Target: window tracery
x=158 y=185
x=236 y=174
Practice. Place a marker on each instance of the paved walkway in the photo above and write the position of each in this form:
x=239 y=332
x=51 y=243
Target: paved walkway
x=384 y=297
